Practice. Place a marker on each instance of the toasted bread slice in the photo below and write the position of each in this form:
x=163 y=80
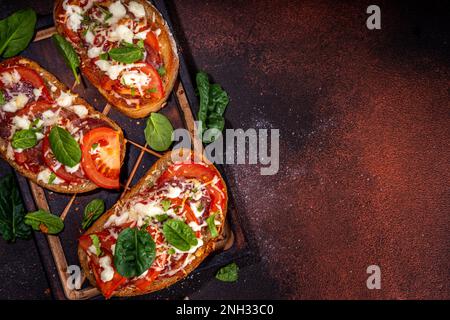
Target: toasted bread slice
x=51 y=81
x=150 y=178
x=168 y=50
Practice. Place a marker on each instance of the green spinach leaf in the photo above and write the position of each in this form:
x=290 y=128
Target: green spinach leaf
x=229 y=273
x=92 y=212
x=2 y=98
x=64 y=147
x=127 y=53
x=12 y=211
x=203 y=91
x=165 y=203
x=162 y=217
x=68 y=52
x=179 y=234
x=135 y=252
x=158 y=132
x=44 y=221
x=24 y=139
x=218 y=99
x=212 y=225
x=16 y=32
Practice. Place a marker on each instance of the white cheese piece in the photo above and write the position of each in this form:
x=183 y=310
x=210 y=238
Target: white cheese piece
x=74 y=16
x=158 y=32
x=141 y=35
x=65 y=99
x=173 y=192
x=21 y=122
x=197 y=227
x=50 y=118
x=89 y=37
x=92 y=249
x=113 y=248
x=117 y=220
x=140 y=212
x=10 y=78
x=16 y=103
x=121 y=33
x=95 y=52
x=39 y=136
x=44 y=176
x=80 y=110
x=37 y=92
x=108 y=272
x=137 y=9
x=118 y=11
x=72 y=169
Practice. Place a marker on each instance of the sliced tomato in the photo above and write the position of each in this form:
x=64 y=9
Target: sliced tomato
x=35 y=108
x=107 y=288
x=56 y=167
x=153 y=51
x=32 y=77
x=102 y=165
x=188 y=170
x=153 y=89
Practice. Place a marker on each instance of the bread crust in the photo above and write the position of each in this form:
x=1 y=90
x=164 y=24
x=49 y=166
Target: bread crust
x=150 y=177
x=51 y=79
x=168 y=51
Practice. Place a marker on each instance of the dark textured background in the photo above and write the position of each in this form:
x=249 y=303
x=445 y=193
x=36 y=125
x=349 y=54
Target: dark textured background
x=364 y=121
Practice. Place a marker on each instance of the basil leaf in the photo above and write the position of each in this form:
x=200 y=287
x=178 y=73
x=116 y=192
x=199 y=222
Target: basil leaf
x=12 y=211
x=96 y=243
x=24 y=139
x=161 y=71
x=44 y=221
x=203 y=91
x=64 y=147
x=179 y=234
x=92 y=212
x=212 y=225
x=127 y=53
x=2 y=98
x=162 y=217
x=229 y=273
x=165 y=203
x=214 y=121
x=51 y=178
x=158 y=132
x=218 y=99
x=68 y=52
x=16 y=32
x=135 y=252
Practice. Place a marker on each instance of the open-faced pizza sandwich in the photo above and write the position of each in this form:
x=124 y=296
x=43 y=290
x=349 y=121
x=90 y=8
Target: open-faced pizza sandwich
x=126 y=50
x=51 y=135
x=159 y=231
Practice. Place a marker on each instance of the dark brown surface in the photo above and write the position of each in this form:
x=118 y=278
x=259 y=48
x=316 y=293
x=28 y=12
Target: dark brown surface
x=364 y=123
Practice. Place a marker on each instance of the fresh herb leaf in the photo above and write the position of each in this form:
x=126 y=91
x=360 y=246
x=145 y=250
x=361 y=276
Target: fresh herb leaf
x=158 y=132
x=161 y=71
x=24 y=139
x=166 y=204
x=64 y=147
x=215 y=124
x=171 y=251
x=92 y=212
x=162 y=217
x=44 y=221
x=179 y=234
x=16 y=32
x=212 y=225
x=151 y=90
x=12 y=211
x=133 y=91
x=127 y=53
x=94 y=146
x=68 y=52
x=96 y=243
x=52 y=178
x=103 y=56
x=203 y=91
x=2 y=98
x=229 y=273
x=135 y=252
x=140 y=43
x=218 y=99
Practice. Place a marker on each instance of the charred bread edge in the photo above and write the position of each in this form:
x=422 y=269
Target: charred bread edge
x=51 y=79
x=150 y=177
x=171 y=65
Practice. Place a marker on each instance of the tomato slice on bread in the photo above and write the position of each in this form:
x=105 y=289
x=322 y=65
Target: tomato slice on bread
x=153 y=89
x=101 y=157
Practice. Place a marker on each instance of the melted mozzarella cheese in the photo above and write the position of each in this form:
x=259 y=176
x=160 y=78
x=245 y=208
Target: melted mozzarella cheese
x=16 y=103
x=80 y=110
x=118 y=11
x=74 y=16
x=195 y=209
x=50 y=118
x=108 y=272
x=89 y=37
x=72 y=169
x=10 y=78
x=37 y=92
x=94 y=52
x=137 y=9
x=21 y=122
x=65 y=99
x=173 y=192
x=121 y=33
x=45 y=175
